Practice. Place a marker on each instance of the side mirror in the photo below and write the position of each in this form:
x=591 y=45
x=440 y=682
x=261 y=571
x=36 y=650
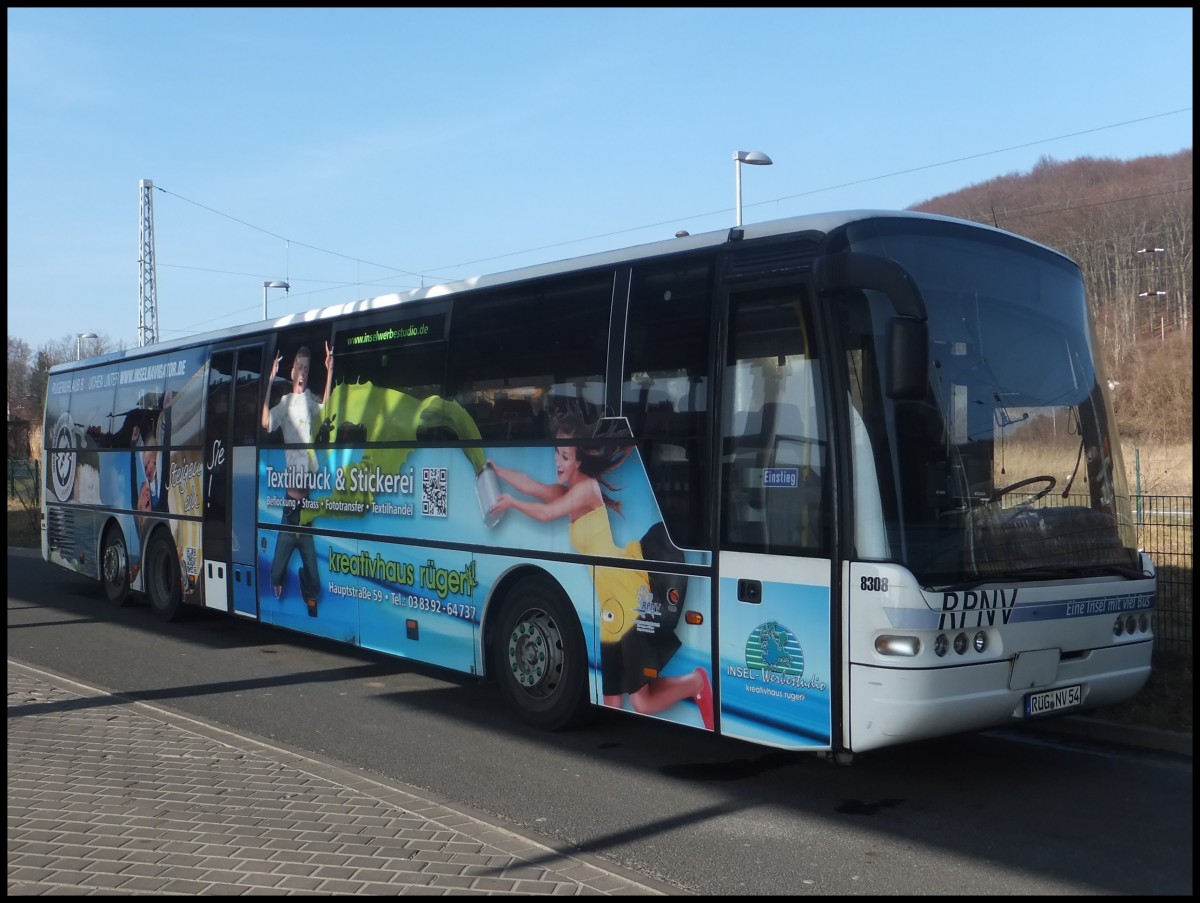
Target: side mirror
x=908 y=359
x=848 y=271
x=908 y=334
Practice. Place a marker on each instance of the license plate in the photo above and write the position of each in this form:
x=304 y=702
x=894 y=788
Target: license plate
x=1049 y=701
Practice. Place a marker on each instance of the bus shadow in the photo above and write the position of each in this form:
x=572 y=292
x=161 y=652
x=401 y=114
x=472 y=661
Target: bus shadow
x=939 y=795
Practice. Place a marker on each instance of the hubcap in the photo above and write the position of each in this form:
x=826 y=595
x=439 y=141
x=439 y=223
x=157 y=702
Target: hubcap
x=114 y=563
x=535 y=653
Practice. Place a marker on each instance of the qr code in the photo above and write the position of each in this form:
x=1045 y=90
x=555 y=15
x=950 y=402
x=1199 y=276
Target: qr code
x=191 y=564
x=433 y=492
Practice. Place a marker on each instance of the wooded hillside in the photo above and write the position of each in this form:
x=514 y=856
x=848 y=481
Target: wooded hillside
x=1128 y=224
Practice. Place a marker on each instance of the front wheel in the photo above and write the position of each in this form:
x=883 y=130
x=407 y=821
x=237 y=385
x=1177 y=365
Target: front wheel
x=114 y=566
x=164 y=588
x=539 y=657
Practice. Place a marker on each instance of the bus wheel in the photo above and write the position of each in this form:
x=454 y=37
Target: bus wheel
x=114 y=566
x=161 y=568
x=539 y=657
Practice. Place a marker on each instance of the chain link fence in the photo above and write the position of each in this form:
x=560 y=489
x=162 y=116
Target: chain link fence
x=24 y=482
x=1164 y=525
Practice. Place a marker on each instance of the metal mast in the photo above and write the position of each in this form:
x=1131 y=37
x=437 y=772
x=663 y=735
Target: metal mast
x=147 y=293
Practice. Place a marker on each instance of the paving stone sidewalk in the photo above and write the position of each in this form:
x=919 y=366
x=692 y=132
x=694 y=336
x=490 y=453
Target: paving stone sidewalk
x=111 y=796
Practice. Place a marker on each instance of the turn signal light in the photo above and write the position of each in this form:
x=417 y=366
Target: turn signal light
x=897 y=645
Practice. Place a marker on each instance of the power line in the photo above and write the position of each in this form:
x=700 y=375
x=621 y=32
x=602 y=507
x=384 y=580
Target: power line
x=332 y=285
x=1004 y=150
x=902 y=172
x=676 y=220
x=1007 y=216
x=290 y=241
x=1028 y=212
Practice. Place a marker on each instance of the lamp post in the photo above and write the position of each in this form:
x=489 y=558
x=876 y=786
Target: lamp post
x=79 y=337
x=1162 y=321
x=274 y=283
x=1151 y=254
x=755 y=158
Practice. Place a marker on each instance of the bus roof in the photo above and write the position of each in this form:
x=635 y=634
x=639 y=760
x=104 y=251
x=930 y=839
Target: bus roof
x=813 y=222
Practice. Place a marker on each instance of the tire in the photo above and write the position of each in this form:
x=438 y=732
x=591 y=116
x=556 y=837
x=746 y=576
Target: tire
x=540 y=659
x=162 y=577
x=114 y=567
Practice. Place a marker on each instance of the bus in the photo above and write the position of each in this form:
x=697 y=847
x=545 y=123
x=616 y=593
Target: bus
x=830 y=483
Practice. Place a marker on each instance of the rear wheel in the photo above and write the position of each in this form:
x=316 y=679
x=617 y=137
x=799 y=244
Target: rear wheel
x=539 y=657
x=163 y=586
x=114 y=566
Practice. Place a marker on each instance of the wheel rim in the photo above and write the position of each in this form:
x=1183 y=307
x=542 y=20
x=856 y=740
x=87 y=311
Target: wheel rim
x=535 y=655
x=116 y=563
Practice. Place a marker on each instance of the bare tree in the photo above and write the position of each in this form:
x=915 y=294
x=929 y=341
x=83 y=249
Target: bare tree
x=20 y=365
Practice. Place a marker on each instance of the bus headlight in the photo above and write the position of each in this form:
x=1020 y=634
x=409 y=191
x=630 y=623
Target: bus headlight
x=1144 y=623
x=908 y=646
x=1118 y=626
x=960 y=643
x=980 y=642
x=940 y=645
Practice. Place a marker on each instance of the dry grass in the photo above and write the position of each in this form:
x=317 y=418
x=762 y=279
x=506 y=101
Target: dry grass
x=1165 y=703
x=1158 y=469
x=1151 y=468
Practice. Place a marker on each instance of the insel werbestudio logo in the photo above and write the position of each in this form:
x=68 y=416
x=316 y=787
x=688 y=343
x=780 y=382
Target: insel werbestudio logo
x=62 y=458
x=774 y=650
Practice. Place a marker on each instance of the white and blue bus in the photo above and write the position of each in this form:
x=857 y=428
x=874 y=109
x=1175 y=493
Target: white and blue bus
x=829 y=483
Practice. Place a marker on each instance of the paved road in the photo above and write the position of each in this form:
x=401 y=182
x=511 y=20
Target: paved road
x=111 y=796
x=108 y=795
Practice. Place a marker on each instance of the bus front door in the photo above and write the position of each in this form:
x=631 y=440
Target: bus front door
x=231 y=433
x=774 y=567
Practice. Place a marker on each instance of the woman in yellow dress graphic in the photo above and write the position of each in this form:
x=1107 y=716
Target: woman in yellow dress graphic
x=637 y=636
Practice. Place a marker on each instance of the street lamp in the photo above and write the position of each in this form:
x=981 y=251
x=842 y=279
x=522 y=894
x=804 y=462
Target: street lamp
x=79 y=337
x=1151 y=254
x=1162 y=321
x=755 y=159
x=274 y=283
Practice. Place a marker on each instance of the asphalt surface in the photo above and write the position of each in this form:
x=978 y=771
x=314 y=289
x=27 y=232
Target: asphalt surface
x=109 y=795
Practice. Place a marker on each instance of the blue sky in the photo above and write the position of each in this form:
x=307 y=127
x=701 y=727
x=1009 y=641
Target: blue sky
x=359 y=152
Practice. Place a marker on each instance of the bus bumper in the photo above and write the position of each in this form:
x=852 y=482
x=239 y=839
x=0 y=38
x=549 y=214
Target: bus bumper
x=901 y=705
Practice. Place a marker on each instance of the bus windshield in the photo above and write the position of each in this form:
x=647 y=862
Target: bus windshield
x=1009 y=466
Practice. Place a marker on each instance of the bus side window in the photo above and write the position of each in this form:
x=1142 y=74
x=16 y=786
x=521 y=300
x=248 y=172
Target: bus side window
x=247 y=398
x=664 y=393
x=511 y=349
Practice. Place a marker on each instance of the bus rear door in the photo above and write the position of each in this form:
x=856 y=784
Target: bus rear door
x=234 y=405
